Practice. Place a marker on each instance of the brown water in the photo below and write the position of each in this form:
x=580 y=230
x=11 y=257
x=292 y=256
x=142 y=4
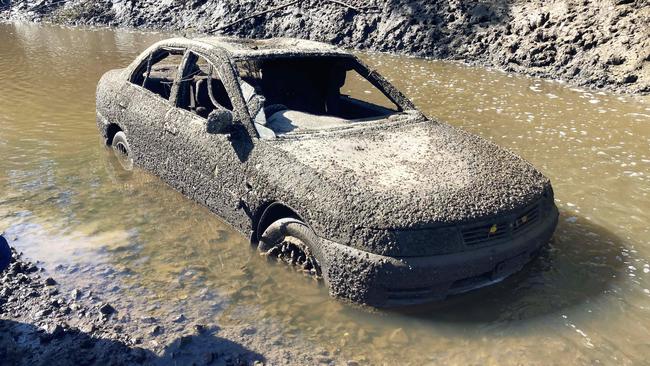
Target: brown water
x=65 y=201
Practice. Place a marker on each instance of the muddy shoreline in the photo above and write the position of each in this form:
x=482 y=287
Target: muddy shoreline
x=42 y=321
x=604 y=45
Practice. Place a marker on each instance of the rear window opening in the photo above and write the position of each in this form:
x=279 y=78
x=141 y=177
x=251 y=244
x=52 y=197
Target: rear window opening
x=314 y=92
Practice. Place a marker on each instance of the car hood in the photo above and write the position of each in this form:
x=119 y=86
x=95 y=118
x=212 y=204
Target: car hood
x=415 y=174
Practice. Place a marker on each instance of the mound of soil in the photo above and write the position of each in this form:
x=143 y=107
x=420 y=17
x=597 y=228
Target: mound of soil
x=601 y=44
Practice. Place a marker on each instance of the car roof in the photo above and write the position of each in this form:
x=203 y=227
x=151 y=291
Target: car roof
x=243 y=48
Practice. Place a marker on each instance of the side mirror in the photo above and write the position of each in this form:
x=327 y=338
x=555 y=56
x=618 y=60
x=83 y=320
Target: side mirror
x=220 y=121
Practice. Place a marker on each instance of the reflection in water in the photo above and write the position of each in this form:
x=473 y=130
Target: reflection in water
x=68 y=202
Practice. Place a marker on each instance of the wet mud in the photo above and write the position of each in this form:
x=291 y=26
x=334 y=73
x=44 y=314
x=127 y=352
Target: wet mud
x=44 y=322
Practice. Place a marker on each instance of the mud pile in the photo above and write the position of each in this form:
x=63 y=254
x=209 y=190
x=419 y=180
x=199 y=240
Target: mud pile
x=601 y=44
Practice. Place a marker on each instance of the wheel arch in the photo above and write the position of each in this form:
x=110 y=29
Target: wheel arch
x=111 y=130
x=271 y=212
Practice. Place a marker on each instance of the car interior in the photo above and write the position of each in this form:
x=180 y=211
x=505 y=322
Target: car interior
x=202 y=90
x=300 y=93
x=306 y=93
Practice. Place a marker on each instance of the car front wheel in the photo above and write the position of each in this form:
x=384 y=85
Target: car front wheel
x=292 y=241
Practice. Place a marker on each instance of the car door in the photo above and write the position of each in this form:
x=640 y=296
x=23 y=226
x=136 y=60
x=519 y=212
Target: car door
x=210 y=166
x=147 y=102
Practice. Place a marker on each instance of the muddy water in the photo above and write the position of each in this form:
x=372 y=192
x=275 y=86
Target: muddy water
x=130 y=238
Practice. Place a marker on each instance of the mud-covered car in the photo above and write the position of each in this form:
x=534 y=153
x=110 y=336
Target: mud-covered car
x=326 y=165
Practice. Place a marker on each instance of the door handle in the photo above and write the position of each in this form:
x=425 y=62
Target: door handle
x=169 y=125
x=170 y=128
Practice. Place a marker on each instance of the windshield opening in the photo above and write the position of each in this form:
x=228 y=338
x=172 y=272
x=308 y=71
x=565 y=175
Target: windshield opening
x=314 y=92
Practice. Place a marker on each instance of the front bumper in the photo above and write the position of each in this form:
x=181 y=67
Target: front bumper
x=383 y=281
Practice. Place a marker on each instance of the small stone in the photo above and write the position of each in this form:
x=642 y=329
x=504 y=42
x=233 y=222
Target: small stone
x=88 y=328
x=50 y=281
x=156 y=330
x=199 y=328
x=352 y=363
x=52 y=331
x=248 y=331
x=57 y=331
x=31 y=268
x=106 y=309
x=76 y=294
x=148 y=319
x=43 y=313
x=56 y=303
x=179 y=319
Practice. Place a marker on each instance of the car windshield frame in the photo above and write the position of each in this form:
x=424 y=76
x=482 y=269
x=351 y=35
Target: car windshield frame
x=382 y=85
x=369 y=74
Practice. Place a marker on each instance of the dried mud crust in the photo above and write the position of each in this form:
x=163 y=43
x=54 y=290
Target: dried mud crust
x=603 y=44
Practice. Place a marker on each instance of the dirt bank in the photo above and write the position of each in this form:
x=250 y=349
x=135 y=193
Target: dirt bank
x=600 y=44
x=43 y=323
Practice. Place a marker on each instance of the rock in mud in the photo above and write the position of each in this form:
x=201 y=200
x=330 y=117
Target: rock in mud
x=106 y=309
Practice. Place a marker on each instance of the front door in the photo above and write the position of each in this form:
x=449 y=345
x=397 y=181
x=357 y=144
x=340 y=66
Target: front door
x=211 y=168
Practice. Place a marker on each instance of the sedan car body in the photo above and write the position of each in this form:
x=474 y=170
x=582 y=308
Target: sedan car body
x=325 y=164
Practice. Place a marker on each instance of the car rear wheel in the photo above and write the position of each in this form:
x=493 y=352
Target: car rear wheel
x=122 y=151
x=293 y=242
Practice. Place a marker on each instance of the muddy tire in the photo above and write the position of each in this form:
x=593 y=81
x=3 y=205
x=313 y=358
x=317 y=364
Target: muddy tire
x=122 y=151
x=292 y=241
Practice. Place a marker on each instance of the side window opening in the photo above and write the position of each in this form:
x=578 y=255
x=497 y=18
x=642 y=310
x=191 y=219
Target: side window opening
x=202 y=88
x=314 y=92
x=158 y=72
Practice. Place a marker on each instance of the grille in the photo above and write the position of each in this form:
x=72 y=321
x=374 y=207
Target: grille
x=485 y=233
x=525 y=221
x=488 y=233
